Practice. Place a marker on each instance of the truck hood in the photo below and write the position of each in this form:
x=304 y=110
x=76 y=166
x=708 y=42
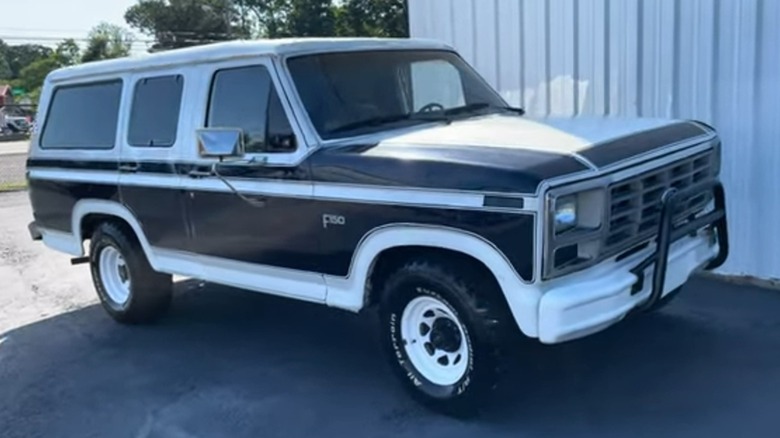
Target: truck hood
x=596 y=141
x=499 y=153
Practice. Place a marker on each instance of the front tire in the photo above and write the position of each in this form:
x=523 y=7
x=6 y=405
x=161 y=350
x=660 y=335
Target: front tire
x=128 y=288
x=441 y=328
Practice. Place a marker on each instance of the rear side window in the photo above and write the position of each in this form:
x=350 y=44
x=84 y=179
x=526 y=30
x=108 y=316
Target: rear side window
x=154 y=118
x=83 y=116
x=246 y=98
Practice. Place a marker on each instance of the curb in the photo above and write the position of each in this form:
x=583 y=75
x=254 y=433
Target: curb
x=13 y=137
x=10 y=188
x=743 y=280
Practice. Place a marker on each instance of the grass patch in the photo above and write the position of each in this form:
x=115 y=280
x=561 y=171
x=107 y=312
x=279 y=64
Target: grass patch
x=14 y=186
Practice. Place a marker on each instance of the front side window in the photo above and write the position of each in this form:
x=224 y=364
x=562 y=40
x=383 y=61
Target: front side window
x=154 y=118
x=83 y=116
x=360 y=92
x=246 y=98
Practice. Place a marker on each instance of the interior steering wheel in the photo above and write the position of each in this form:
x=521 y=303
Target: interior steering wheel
x=433 y=106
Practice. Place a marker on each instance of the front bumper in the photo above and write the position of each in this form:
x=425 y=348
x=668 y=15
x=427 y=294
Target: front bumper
x=589 y=301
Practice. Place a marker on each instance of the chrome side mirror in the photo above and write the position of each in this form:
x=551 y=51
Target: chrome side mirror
x=220 y=143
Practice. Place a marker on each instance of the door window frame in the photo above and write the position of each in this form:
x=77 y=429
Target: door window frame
x=184 y=135
x=273 y=159
x=132 y=95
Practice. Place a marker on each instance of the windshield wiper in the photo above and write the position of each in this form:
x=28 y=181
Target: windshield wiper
x=434 y=116
x=381 y=120
x=465 y=108
x=513 y=109
x=480 y=106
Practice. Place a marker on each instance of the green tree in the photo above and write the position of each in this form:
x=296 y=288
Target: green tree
x=32 y=76
x=310 y=18
x=183 y=23
x=374 y=18
x=67 y=52
x=267 y=17
x=107 y=41
x=5 y=69
x=19 y=57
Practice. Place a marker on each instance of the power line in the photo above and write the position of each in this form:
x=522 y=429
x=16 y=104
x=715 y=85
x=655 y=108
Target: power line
x=188 y=35
x=57 y=39
x=23 y=29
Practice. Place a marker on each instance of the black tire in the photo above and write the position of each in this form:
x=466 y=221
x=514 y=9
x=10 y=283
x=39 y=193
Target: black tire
x=476 y=302
x=149 y=291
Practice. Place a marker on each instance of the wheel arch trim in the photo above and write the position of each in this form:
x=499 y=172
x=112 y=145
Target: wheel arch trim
x=350 y=292
x=85 y=207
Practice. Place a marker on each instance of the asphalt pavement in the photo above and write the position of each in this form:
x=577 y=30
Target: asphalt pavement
x=228 y=363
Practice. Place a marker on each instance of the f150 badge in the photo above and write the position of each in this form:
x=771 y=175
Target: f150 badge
x=332 y=219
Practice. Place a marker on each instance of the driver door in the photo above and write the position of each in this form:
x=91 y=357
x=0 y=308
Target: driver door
x=256 y=216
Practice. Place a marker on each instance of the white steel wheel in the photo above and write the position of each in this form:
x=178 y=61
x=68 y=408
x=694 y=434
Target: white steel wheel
x=128 y=288
x=443 y=330
x=435 y=340
x=114 y=275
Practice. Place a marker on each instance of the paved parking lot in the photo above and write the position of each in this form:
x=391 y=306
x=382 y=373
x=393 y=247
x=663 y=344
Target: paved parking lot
x=235 y=364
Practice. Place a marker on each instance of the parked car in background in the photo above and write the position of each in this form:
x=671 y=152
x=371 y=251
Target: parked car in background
x=18 y=124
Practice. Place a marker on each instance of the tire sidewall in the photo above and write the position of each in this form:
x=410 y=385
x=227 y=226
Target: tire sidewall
x=397 y=301
x=101 y=242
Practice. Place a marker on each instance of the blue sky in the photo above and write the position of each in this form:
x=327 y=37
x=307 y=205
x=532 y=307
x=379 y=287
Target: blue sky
x=47 y=21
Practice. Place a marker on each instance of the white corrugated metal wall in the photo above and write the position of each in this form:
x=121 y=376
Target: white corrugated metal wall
x=713 y=60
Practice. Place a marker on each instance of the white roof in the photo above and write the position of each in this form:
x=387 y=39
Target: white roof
x=239 y=49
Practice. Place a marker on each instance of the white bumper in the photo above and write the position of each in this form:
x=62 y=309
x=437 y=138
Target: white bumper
x=586 y=302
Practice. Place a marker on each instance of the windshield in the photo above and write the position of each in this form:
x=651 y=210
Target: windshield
x=361 y=92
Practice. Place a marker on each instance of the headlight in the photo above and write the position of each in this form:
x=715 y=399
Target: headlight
x=575 y=222
x=565 y=214
x=582 y=210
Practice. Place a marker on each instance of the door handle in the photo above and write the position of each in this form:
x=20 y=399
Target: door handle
x=195 y=173
x=128 y=167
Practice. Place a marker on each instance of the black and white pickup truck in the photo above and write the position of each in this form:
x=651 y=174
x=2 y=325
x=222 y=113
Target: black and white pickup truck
x=361 y=173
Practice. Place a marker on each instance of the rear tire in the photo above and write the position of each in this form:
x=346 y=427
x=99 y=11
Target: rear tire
x=128 y=288
x=441 y=334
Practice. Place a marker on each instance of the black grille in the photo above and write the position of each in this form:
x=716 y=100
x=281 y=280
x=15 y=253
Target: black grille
x=635 y=203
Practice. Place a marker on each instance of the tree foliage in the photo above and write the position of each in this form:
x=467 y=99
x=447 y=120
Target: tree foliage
x=310 y=18
x=20 y=56
x=5 y=68
x=265 y=17
x=27 y=66
x=67 y=52
x=377 y=18
x=107 y=41
x=32 y=77
x=183 y=23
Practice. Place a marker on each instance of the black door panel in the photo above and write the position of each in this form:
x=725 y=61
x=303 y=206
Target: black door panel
x=274 y=231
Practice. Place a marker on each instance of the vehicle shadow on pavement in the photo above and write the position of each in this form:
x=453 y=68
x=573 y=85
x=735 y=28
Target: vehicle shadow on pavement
x=231 y=363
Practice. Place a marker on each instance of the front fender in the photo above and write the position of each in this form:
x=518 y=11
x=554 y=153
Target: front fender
x=350 y=292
